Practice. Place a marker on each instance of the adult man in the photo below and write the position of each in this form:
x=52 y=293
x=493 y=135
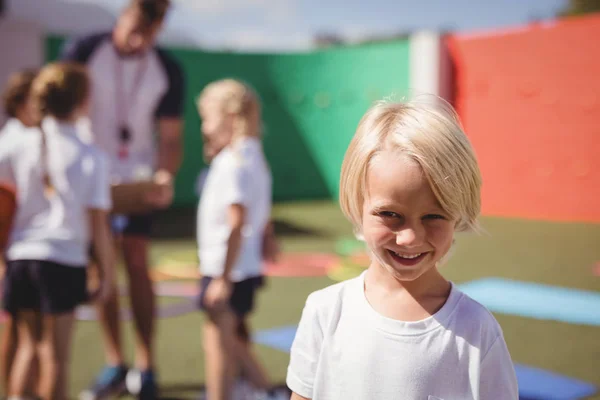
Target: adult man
x=136 y=88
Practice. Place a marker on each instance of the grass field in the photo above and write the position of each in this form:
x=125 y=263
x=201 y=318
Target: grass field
x=552 y=253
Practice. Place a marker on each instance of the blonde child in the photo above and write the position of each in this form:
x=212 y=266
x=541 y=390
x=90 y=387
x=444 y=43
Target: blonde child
x=233 y=217
x=63 y=197
x=409 y=181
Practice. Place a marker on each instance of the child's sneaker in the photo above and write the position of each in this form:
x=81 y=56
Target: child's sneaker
x=110 y=383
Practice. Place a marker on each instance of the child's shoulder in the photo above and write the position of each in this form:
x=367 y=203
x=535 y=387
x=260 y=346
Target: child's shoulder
x=329 y=299
x=12 y=141
x=475 y=316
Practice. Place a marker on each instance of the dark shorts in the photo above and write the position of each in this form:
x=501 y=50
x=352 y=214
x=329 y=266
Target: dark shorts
x=242 y=294
x=43 y=286
x=134 y=225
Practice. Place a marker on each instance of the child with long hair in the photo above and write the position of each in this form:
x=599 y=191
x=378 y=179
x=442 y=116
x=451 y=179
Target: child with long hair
x=63 y=199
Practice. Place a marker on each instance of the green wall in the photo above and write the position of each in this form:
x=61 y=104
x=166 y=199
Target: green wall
x=312 y=104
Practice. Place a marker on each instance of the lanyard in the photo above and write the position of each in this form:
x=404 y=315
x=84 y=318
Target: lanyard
x=125 y=100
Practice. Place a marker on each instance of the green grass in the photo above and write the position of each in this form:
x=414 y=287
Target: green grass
x=552 y=253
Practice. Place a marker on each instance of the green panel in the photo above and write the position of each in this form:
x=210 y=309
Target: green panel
x=327 y=93
x=312 y=104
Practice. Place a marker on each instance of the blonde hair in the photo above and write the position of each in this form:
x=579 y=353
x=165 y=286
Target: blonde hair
x=428 y=131
x=237 y=99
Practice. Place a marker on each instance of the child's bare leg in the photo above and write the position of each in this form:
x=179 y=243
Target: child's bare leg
x=249 y=364
x=54 y=352
x=8 y=349
x=219 y=337
x=27 y=337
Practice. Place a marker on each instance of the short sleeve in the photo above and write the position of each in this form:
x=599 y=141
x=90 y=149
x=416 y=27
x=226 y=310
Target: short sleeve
x=305 y=352
x=237 y=188
x=99 y=196
x=6 y=172
x=79 y=50
x=171 y=104
x=498 y=380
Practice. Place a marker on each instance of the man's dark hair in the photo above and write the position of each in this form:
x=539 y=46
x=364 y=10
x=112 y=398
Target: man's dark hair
x=151 y=10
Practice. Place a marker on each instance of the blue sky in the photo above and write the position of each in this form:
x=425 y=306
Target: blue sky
x=291 y=24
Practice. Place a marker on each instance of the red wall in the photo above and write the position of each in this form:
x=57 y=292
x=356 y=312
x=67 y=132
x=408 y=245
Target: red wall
x=530 y=102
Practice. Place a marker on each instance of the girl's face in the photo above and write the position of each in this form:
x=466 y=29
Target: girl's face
x=404 y=226
x=217 y=128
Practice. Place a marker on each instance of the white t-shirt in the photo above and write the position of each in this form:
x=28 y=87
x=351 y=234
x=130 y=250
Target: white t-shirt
x=55 y=228
x=344 y=349
x=11 y=127
x=237 y=175
x=135 y=91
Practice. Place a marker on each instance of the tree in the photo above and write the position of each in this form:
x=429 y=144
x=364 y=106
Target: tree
x=580 y=7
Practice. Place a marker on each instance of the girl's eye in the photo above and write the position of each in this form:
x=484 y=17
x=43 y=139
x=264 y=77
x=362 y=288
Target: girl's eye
x=389 y=214
x=434 y=216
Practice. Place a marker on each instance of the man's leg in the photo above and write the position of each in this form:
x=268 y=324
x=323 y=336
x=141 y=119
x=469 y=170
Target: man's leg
x=109 y=315
x=135 y=253
x=111 y=379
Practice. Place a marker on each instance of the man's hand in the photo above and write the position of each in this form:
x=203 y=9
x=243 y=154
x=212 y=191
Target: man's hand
x=162 y=195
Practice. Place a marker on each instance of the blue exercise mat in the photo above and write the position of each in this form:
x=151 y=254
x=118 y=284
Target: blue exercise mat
x=539 y=384
x=535 y=300
x=278 y=338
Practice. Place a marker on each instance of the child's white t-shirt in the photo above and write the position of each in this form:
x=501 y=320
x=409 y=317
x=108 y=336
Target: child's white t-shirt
x=239 y=174
x=54 y=228
x=344 y=349
x=12 y=126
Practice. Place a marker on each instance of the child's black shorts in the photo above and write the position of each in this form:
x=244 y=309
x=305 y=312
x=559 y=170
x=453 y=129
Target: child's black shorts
x=43 y=286
x=242 y=294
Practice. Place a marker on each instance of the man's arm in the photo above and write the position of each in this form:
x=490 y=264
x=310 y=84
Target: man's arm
x=170 y=151
x=169 y=116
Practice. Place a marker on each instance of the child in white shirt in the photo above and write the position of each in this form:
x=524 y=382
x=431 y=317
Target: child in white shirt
x=63 y=199
x=409 y=181
x=233 y=222
x=18 y=108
